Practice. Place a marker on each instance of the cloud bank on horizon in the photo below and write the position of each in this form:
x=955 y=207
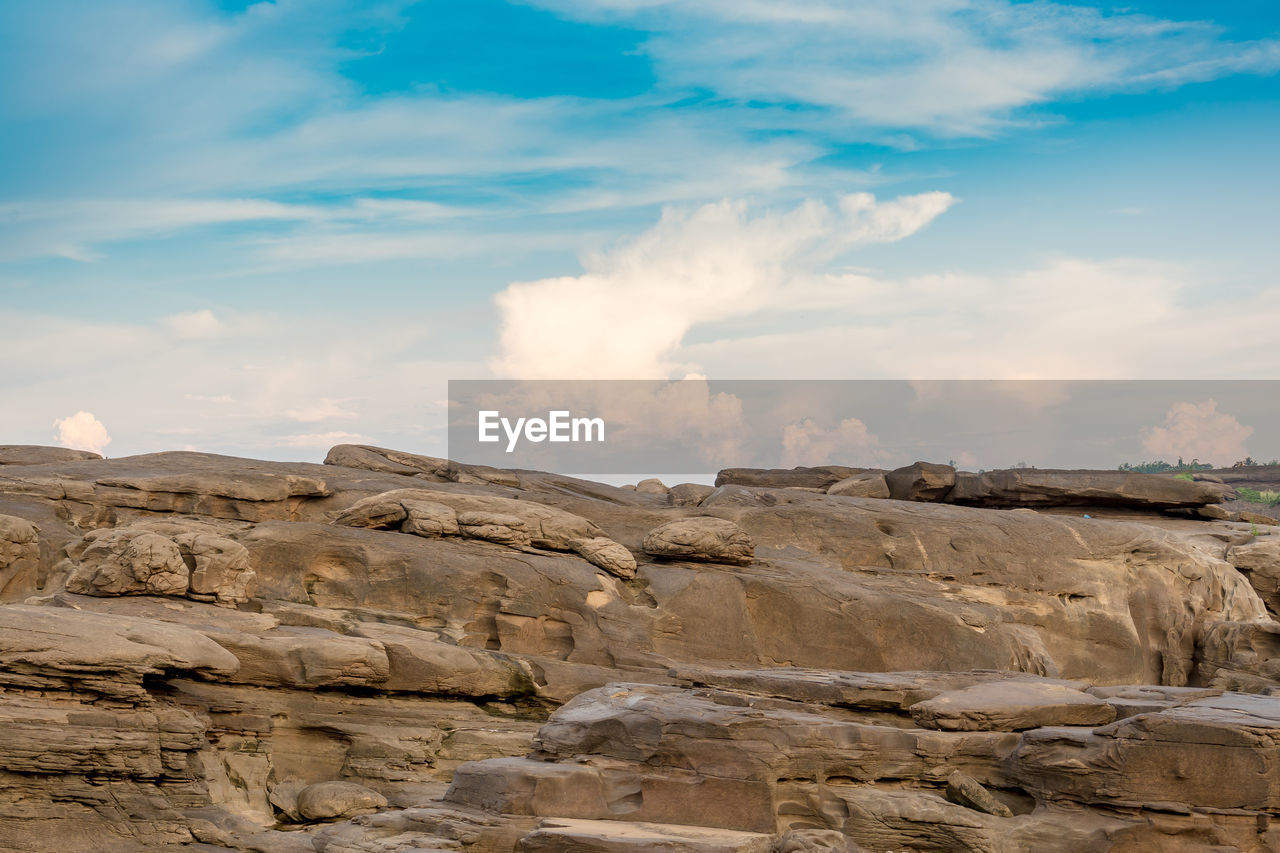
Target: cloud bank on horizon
x=264 y=227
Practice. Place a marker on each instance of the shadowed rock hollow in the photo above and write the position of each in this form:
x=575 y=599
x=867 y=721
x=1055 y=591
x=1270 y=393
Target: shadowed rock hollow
x=391 y=652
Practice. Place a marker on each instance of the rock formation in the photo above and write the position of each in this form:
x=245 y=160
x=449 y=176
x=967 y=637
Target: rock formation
x=392 y=652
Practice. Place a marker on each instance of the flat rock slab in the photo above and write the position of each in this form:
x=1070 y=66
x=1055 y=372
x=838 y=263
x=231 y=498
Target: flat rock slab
x=1053 y=487
x=606 y=836
x=884 y=691
x=1011 y=706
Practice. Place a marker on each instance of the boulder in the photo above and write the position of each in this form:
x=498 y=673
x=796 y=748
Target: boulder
x=335 y=800
x=690 y=494
x=124 y=561
x=921 y=481
x=867 y=484
x=607 y=554
x=219 y=567
x=964 y=790
x=707 y=539
x=652 y=486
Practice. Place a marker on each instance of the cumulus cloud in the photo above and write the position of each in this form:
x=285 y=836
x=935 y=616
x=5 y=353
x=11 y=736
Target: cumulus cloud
x=82 y=431
x=847 y=443
x=1198 y=431
x=630 y=309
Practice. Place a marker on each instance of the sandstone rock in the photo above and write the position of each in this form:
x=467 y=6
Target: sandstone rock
x=57 y=643
x=1051 y=487
x=652 y=486
x=1240 y=656
x=32 y=454
x=429 y=518
x=1011 y=706
x=412 y=464
x=376 y=512
x=922 y=481
x=1256 y=518
x=814 y=841
x=607 y=554
x=124 y=561
x=1259 y=561
x=19 y=547
x=868 y=484
x=494 y=527
x=419 y=663
x=558 y=835
x=708 y=539
x=329 y=800
x=244 y=486
x=305 y=657
x=964 y=790
x=1213 y=512
x=219 y=567
x=781 y=478
x=690 y=494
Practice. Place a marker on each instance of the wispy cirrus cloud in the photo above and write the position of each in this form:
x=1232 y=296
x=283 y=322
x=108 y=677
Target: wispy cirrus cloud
x=946 y=67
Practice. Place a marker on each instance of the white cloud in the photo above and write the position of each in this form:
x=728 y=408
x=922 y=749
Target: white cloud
x=82 y=431
x=320 y=410
x=322 y=440
x=963 y=67
x=847 y=443
x=1198 y=431
x=195 y=325
x=1070 y=318
x=628 y=312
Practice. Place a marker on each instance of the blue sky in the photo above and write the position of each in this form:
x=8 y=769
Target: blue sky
x=263 y=228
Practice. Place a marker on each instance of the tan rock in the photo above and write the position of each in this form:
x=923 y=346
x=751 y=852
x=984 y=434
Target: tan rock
x=124 y=561
x=429 y=518
x=921 y=481
x=1053 y=487
x=494 y=527
x=33 y=454
x=690 y=494
x=707 y=539
x=1011 y=706
x=652 y=486
x=219 y=567
x=607 y=554
x=964 y=790
x=376 y=512
x=566 y=835
x=867 y=484
x=330 y=800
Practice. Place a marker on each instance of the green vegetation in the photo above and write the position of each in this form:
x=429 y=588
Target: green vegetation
x=1253 y=496
x=1185 y=475
x=1160 y=466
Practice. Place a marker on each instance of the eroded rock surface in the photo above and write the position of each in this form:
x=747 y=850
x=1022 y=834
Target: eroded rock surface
x=190 y=643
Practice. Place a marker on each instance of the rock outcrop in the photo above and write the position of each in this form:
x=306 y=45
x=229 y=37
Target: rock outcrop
x=393 y=652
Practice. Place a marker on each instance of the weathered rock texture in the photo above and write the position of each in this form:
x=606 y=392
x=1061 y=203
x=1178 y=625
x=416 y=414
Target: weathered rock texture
x=209 y=653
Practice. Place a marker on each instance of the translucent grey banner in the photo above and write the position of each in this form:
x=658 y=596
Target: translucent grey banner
x=637 y=427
